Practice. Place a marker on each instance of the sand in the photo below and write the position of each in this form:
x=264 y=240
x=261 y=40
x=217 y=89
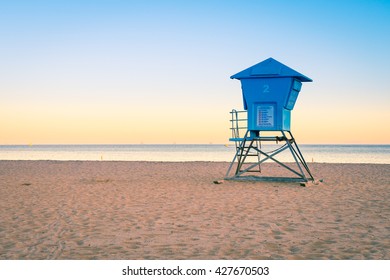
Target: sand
x=154 y=210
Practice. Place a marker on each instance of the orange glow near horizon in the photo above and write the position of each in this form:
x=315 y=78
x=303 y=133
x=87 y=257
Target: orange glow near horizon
x=70 y=124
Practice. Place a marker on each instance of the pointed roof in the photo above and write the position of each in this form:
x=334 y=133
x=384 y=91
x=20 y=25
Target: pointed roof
x=270 y=68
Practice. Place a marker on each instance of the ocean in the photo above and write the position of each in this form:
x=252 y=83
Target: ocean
x=178 y=153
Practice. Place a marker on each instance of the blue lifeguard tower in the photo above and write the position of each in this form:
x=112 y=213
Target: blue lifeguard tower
x=270 y=90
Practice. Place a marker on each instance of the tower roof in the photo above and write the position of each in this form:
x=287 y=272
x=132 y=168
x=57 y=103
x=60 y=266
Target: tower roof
x=270 y=68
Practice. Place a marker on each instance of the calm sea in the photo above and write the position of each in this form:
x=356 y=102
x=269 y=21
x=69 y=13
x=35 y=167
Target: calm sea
x=214 y=152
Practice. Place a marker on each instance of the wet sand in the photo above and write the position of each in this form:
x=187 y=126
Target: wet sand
x=154 y=210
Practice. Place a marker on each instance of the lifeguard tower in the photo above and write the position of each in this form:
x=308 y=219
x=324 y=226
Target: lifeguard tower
x=270 y=90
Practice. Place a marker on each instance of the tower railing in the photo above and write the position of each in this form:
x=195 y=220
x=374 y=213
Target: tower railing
x=238 y=124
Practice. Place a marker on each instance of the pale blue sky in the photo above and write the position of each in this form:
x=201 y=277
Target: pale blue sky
x=158 y=71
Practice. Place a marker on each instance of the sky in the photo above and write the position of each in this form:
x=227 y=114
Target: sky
x=130 y=72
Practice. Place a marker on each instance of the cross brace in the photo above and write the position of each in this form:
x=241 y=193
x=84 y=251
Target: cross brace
x=251 y=146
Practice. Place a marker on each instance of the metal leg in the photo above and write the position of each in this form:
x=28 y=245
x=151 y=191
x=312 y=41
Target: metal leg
x=300 y=156
x=293 y=154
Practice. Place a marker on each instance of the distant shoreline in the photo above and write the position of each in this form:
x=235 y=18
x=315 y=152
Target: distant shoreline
x=174 y=144
x=186 y=152
x=178 y=162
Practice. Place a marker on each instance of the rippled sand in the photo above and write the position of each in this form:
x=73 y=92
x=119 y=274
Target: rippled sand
x=152 y=210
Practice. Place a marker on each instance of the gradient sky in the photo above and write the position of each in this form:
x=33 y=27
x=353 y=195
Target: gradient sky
x=111 y=71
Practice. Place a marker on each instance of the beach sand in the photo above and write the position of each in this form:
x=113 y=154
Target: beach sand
x=163 y=210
